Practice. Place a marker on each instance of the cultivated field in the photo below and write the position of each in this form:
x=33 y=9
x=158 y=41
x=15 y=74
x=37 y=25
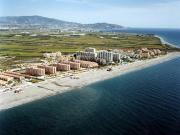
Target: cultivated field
x=28 y=46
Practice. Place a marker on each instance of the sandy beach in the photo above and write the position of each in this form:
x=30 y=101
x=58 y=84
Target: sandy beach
x=50 y=87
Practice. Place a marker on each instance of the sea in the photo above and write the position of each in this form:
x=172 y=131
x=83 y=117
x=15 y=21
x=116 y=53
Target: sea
x=145 y=102
x=171 y=36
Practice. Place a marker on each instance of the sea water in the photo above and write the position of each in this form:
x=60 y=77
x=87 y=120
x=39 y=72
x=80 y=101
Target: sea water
x=145 y=102
x=169 y=35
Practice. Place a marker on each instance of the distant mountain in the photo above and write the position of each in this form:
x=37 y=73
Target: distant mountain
x=103 y=26
x=39 y=22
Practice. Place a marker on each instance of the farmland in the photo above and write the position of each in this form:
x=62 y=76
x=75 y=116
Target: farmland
x=26 y=46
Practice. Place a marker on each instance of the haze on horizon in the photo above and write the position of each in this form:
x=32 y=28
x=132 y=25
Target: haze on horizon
x=130 y=13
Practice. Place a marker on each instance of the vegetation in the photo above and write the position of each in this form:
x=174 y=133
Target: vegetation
x=35 y=80
x=27 y=46
x=24 y=46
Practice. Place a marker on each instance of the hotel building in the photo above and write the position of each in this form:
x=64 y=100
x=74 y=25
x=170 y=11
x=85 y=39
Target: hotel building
x=5 y=78
x=14 y=76
x=87 y=64
x=62 y=67
x=108 y=56
x=48 y=69
x=18 y=74
x=73 y=65
x=89 y=56
x=35 y=71
x=116 y=57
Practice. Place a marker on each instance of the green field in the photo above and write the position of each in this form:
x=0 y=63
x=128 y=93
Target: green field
x=27 y=46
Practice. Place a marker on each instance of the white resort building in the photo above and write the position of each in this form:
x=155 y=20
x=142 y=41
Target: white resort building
x=106 y=55
x=116 y=57
x=89 y=49
x=89 y=56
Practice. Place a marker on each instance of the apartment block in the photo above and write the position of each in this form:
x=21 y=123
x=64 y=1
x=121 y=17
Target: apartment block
x=89 y=56
x=62 y=67
x=18 y=74
x=18 y=77
x=108 y=56
x=35 y=71
x=5 y=78
x=73 y=65
x=87 y=64
x=48 y=69
x=116 y=56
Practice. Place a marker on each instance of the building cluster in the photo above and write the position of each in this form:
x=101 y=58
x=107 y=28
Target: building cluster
x=104 y=57
x=89 y=58
x=42 y=70
x=147 y=53
x=101 y=57
x=8 y=77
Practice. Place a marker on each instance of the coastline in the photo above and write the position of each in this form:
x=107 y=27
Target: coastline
x=60 y=85
x=163 y=41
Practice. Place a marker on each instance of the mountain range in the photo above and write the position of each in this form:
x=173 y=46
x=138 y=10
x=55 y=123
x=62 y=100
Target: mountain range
x=39 y=22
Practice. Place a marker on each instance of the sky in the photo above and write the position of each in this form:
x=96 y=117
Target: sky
x=129 y=13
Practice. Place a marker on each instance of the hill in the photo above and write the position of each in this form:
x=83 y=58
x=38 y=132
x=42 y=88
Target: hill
x=39 y=22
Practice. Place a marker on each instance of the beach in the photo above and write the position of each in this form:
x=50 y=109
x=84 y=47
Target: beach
x=59 y=85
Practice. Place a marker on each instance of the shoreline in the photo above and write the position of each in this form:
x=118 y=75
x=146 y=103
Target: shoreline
x=163 y=41
x=59 y=85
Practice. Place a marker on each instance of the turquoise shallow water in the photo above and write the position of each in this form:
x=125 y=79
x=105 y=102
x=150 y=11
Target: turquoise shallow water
x=145 y=102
